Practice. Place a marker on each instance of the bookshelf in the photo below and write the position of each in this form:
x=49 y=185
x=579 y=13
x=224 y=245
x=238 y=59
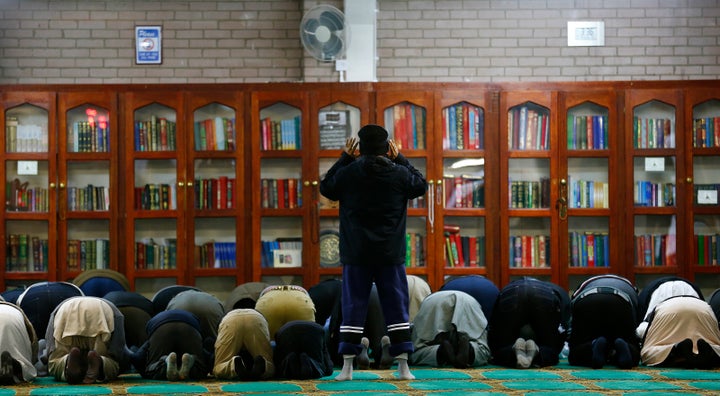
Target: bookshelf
x=201 y=192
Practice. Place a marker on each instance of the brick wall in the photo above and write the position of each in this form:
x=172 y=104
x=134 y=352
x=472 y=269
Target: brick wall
x=207 y=41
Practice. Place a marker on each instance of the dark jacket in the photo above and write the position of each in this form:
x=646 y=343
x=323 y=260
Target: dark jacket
x=373 y=192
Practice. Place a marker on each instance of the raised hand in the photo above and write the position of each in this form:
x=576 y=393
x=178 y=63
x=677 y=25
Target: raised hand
x=351 y=146
x=394 y=151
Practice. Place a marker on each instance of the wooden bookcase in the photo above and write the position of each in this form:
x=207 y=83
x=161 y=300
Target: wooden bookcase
x=480 y=186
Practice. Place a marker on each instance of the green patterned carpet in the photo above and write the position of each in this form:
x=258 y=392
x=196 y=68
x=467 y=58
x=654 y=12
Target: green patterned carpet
x=489 y=380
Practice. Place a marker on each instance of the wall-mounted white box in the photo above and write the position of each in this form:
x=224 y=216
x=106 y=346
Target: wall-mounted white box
x=586 y=33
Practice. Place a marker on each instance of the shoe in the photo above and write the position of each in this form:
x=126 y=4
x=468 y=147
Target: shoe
x=75 y=366
x=95 y=368
x=622 y=354
x=462 y=359
x=171 y=368
x=188 y=361
x=386 y=360
x=599 y=352
x=445 y=354
x=362 y=359
x=6 y=369
x=258 y=368
x=521 y=357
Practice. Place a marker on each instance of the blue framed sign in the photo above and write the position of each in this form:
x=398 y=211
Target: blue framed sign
x=148 y=44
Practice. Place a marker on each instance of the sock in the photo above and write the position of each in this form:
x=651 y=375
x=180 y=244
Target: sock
x=622 y=353
x=599 y=347
x=171 y=369
x=347 y=369
x=188 y=361
x=521 y=358
x=386 y=361
x=403 y=368
x=363 y=360
x=531 y=351
x=462 y=360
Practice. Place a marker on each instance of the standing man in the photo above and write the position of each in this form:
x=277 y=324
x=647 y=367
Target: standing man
x=373 y=190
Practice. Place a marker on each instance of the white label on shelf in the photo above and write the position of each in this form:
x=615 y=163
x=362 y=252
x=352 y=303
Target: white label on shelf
x=27 y=168
x=655 y=164
x=707 y=197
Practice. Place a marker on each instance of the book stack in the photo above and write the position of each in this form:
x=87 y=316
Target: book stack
x=214 y=193
x=405 y=122
x=281 y=134
x=655 y=250
x=465 y=191
x=589 y=194
x=215 y=134
x=215 y=255
x=19 y=197
x=708 y=249
x=274 y=253
x=463 y=250
x=88 y=254
x=647 y=193
x=653 y=133
x=88 y=198
x=528 y=128
x=24 y=138
x=26 y=253
x=706 y=132
x=415 y=255
x=587 y=132
x=589 y=249
x=89 y=137
x=529 y=194
x=281 y=193
x=156 y=197
x=156 y=134
x=529 y=251
x=152 y=255
x=463 y=127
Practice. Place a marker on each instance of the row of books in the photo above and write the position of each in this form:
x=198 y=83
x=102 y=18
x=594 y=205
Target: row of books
x=281 y=193
x=405 y=122
x=706 y=132
x=25 y=253
x=655 y=250
x=589 y=249
x=706 y=194
x=215 y=255
x=281 y=134
x=88 y=198
x=33 y=199
x=652 y=194
x=215 y=134
x=528 y=128
x=653 y=133
x=417 y=203
x=708 y=249
x=156 y=197
x=587 y=132
x=463 y=127
x=24 y=138
x=589 y=194
x=529 y=251
x=89 y=137
x=88 y=254
x=157 y=134
x=152 y=255
x=529 y=194
x=281 y=252
x=464 y=191
x=214 y=193
x=415 y=250
x=463 y=250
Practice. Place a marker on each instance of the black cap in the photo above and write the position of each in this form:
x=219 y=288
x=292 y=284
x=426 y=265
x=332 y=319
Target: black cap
x=373 y=140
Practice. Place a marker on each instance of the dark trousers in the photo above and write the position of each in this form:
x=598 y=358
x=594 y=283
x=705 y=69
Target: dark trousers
x=301 y=352
x=601 y=314
x=530 y=309
x=392 y=288
x=178 y=337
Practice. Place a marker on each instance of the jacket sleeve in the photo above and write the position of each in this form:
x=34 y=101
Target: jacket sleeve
x=417 y=185
x=329 y=184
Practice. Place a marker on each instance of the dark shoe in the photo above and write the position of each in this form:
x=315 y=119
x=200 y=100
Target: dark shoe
x=95 y=368
x=623 y=356
x=386 y=360
x=171 y=368
x=445 y=354
x=363 y=360
x=75 y=366
x=599 y=352
x=462 y=360
x=258 y=368
x=706 y=358
x=6 y=369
